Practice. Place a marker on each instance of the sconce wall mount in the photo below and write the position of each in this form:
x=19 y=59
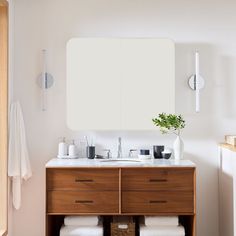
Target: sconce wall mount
x=45 y=83
x=192 y=82
x=44 y=80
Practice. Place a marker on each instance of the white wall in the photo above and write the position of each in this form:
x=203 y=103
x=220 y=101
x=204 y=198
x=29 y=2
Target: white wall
x=204 y=25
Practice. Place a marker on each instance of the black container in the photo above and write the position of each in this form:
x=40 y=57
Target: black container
x=90 y=152
x=157 y=151
x=144 y=152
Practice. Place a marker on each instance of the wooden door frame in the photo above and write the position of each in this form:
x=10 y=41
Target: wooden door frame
x=4 y=114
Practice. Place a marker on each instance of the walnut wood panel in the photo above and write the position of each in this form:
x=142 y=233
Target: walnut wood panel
x=189 y=224
x=82 y=202
x=53 y=224
x=153 y=179
x=157 y=202
x=83 y=179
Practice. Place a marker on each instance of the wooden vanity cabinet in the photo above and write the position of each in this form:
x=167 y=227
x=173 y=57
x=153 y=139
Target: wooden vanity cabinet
x=120 y=191
x=152 y=190
x=83 y=191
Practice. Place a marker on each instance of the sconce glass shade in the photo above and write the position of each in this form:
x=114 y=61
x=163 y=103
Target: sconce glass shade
x=196 y=82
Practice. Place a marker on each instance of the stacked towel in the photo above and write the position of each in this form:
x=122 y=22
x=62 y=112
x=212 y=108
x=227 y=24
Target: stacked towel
x=81 y=220
x=81 y=226
x=162 y=231
x=81 y=231
x=161 y=226
x=161 y=220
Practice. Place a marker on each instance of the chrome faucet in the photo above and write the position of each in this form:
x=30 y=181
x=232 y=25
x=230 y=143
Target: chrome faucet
x=108 y=155
x=119 y=154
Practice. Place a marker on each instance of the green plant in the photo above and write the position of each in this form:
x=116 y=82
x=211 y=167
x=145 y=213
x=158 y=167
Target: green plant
x=169 y=123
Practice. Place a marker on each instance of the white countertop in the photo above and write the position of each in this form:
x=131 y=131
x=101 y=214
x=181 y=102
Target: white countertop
x=84 y=162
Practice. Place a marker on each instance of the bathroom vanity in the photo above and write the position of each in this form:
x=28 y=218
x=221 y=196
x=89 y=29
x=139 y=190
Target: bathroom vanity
x=93 y=187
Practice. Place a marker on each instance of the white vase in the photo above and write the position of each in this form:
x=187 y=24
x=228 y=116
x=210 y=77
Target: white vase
x=178 y=148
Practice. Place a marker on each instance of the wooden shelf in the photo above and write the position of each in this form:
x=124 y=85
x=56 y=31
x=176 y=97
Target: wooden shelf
x=55 y=222
x=228 y=146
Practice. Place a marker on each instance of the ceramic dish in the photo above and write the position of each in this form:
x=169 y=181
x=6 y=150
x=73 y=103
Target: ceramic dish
x=166 y=155
x=144 y=157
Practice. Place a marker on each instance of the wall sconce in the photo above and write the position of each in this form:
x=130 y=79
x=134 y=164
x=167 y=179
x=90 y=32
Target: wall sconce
x=196 y=82
x=44 y=80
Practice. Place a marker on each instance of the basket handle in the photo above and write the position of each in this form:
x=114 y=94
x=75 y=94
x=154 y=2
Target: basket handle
x=122 y=226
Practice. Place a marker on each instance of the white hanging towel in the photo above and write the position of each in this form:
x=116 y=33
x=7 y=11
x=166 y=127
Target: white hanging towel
x=18 y=159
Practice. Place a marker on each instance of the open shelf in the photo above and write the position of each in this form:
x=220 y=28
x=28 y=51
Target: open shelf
x=54 y=223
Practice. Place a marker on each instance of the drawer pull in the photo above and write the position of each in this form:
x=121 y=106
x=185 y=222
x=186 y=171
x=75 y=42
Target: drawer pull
x=157 y=180
x=160 y=201
x=83 y=201
x=84 y=180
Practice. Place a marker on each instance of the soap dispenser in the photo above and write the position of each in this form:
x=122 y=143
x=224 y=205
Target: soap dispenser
x=62 y=148
x=72 y=150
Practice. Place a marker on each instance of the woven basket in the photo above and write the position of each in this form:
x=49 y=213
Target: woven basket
x=123 y=228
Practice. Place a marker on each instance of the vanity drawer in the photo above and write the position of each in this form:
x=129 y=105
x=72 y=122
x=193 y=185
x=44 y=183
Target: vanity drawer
x=155 y=179
x=157 y=202
x=83 y=179
x=82 y=202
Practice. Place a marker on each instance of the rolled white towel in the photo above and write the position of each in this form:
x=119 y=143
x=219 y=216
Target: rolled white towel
x=81 y=220
x=81 y=231
x=162 y=231
x=161 y=220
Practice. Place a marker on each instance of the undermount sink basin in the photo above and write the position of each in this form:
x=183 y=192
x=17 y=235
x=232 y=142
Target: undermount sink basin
x=121 y=160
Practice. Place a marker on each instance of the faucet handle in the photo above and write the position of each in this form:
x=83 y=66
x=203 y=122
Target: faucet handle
x=108 y=153
x=131 y=151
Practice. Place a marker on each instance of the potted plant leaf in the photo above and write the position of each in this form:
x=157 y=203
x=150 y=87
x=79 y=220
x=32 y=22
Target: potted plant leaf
x=171 y=123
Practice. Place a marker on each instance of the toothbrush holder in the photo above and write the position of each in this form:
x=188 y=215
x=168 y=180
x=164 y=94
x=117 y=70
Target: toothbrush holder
x=90 y=152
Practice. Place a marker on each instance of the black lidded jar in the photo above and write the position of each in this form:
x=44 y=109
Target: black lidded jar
x=157 y=150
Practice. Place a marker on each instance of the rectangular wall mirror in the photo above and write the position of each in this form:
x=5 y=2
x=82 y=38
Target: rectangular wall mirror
x=119 y=83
